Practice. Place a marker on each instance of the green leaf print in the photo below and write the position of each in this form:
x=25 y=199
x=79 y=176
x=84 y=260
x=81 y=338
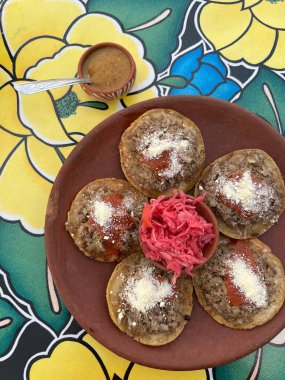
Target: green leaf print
x=265 y=96
x=272 y=369
x=157 y=23
x=238 y=370
x=67 y=105
x=94 y=104
x=22 y=257
x=175 y=81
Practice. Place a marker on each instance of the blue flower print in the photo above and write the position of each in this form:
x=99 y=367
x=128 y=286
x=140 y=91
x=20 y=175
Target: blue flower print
x=203 y=75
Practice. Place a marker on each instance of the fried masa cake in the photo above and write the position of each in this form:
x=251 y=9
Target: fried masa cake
x=246 y=192
x=243 y=285
x=144 y=304
x=162 y=150
x=104 y=219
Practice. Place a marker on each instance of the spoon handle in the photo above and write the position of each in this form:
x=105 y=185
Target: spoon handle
x=43 y=85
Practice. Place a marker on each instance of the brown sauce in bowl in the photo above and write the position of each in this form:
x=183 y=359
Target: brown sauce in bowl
x=108 y=68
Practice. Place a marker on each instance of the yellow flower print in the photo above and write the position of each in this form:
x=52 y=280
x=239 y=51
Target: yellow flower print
x=249 y=30
x=69 y=360
x=86 y=358
x=144 y=373
x=37 y=132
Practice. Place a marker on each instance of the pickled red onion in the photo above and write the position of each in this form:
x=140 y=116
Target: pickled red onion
x=173 y=234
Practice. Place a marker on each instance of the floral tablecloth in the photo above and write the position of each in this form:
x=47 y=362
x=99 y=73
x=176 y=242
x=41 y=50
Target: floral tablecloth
x=229 y=49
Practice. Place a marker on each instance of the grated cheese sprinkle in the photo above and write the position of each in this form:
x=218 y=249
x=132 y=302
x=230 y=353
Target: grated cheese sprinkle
x=129 y=201
x=145 y=292
x=102 y=213
x=155 y=143
x=248 y=282
x=158 y=146
x=253 y=197
x=174 y=167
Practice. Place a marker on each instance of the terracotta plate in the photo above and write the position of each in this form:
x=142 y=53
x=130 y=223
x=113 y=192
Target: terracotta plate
x=82 y=282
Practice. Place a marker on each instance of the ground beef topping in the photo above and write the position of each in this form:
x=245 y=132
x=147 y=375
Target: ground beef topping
x=167 y=152
x=112 y=216
x=164 y=152
x=242 y=190
x=252 y=280
x=104 y=219
x=149 y=303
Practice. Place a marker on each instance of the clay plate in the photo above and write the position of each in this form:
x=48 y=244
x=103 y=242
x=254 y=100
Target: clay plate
x=82 y=282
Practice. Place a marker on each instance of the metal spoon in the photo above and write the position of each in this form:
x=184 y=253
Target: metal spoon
x=43 y=85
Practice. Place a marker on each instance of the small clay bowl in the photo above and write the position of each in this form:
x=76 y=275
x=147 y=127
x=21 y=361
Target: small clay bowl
x=114 y=92
x=211 y=247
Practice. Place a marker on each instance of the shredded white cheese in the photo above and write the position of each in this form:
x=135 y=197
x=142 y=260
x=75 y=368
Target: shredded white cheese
x=253 y=197
x=145 y=292
x=102 y=213
x=248 y=282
